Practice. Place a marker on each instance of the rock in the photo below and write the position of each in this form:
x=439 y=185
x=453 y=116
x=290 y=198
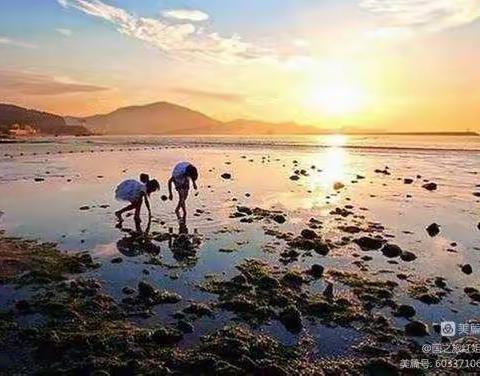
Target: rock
x=316 y=270
x=185 y=326
x=405 y=311
x=279 y=218
x=308 y=234
x=244 y=210
x=227 y=250
x=380 y=366
x=440 y=283
x=198 y=309
x=430 y=186
x=328 y=292
x=478 y=225
x=86 y=207
x=467 y=269
x=163 y=197
x=429 y=298
x=239 y=279
x=391 y=250
x=164 y=336
x=338 y=185
x=226 y=176
x=294 y=177
x=407 y=181
x=146 y=290
x=268 y=283
x=39 y=179
x=476 y=194
x=291 y=318
x=416 y=329
x=116 y=260
x=366 y=243
x=433 y=229
x=128 y=290
x=408 y=256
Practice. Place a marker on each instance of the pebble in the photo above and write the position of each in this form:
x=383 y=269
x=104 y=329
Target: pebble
x=433 y=229
x=416 y=329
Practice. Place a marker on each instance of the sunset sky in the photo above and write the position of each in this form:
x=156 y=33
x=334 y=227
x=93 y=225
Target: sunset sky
x=396 y=65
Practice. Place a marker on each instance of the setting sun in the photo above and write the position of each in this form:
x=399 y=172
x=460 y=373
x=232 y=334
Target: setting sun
x=336 y=99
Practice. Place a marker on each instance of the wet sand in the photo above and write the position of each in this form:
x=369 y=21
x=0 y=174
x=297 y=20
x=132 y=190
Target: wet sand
x=358 y=215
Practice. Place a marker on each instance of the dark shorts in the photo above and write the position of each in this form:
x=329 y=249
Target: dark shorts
x=181 y=185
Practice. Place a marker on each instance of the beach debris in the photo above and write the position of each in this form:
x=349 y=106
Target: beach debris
x=433 y=229
x=416 y=329
x=226 y=175
x=430 y=186
x=467 y=269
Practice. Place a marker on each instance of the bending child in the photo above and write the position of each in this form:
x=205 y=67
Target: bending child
x=181 y=176
x=135 y=192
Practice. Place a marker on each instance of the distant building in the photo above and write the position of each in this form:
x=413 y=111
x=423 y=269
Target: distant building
x=19 y=130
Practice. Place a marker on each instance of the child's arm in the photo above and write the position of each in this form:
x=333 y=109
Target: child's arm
x=194 y=184
x=170 y=182
x=147 y=204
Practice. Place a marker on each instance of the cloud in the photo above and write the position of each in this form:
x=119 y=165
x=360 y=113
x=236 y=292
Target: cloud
x=16 y=43
x=64 y=32
x=186 y=14
x=409 y=16
x=226 y=97
x=28 y=83
x=182 y=39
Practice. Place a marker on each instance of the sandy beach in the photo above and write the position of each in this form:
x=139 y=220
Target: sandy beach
x=323 y=250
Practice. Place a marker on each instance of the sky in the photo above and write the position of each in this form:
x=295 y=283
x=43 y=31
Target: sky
x=392 y=65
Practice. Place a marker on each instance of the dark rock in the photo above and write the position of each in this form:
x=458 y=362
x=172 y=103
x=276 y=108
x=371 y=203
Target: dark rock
x=128 y=290
x=39 y=179
x=185 y=326
x=146 y=290
x=467 y=269
x=309 y=234
x=239 y=279
x=429 y=298
x=380 y=366
x=226 y=175
x=116 y=260
x=244 y=210
x=294 y=177
x=408 y=256
x=316 y=270
x=391 y=250
x=279 y=218
x=163 y=197
x=405 y=311
x=268 y=282
x=164 y=336
x=416 y=329
x=440 y=283
x=84 y=207
x=366 y=243
x=407 y=181
x=430 y=186
x=433 y=229
x=291 y=318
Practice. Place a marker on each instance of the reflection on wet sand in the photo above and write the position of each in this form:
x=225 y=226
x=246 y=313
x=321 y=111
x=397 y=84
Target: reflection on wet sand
x=183 y=245
x=137 y=241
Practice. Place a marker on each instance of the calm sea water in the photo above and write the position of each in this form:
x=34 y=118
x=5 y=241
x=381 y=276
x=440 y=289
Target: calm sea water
x=85 y=171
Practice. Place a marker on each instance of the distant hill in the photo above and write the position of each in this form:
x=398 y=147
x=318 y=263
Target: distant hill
x=155 y=118
x=43 y=122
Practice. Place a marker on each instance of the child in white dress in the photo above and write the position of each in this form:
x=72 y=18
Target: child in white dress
x=181 y=176
x=135 y=192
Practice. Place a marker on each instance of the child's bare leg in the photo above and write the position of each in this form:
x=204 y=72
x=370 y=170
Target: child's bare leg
x=137 y=211
x=119 y=213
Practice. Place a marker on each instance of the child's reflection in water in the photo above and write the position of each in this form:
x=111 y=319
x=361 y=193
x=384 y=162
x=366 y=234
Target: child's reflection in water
x=137 y=241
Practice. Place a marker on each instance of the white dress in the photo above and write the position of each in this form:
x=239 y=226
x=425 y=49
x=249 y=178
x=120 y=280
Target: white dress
x=179 y=175
x=130 y=190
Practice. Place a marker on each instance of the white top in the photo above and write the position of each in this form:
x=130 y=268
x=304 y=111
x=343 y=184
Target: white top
x=130 y=190
x=180 y=169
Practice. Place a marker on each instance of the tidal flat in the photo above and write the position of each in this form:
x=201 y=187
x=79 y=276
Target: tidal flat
x=294 y=259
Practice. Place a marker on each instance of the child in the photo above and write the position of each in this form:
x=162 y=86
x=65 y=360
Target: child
x=181 y=174
x=135 y=192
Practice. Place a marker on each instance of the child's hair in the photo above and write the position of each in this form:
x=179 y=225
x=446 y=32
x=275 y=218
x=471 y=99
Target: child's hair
x=152 y=186
x=192 y=172
x=144 y=178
